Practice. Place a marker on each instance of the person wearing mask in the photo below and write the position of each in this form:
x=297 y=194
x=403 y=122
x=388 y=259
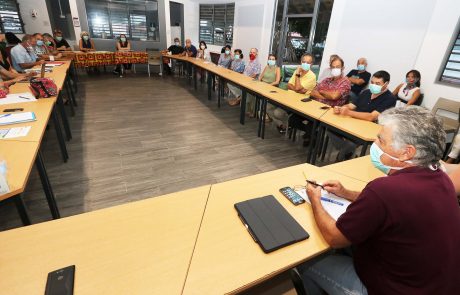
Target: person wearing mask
x=334 y=90
x=409 y=92
x=225 y=58
x=238 y=66
x=50 y=43
x=251 y=69
x=61 y=43
x=359 y=78
x=369 y=105
x=123 y=44
x=23 y=55
x=41 y=50
x=86 y=44
x=403 y=230
x=327 y=72
x=174 y=49
x=189 y=51
x=203 y=52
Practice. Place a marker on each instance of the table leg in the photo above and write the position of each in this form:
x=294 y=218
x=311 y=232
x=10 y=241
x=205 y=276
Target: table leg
x=194 y=77
x=19 y=202
x=317 y=142
x=312 y=142
x=243 y=106
x=364 y=149
x=60 y=137
x=210 y=77
x=220 y=90
x=69 y=96
x=264 y=112
x=47 y=186
x=72 y=94
x=64 y=118
x=122 y=70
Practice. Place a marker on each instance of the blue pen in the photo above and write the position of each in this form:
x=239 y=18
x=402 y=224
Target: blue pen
x=331 y=201
x=5 y=115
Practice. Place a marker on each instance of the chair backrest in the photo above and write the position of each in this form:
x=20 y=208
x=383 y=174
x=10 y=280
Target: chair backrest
x=443 y=106
x=154 y=56
x=286 y=73
x=215 y=57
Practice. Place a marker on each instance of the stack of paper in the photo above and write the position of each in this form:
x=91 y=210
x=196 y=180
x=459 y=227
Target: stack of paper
x=17 y=98
x=333 y=204
x=14 y=132
x=17 y=118
x=54 y=64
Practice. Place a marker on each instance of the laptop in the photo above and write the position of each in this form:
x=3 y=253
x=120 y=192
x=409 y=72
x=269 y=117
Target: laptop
x=269 y=224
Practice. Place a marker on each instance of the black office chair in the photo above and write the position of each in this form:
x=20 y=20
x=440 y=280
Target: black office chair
x=297 y=282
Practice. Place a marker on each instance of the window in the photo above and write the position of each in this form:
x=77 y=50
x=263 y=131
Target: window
x=137 y=19
x=451 y=70
x=216 y=23
x=10 y=19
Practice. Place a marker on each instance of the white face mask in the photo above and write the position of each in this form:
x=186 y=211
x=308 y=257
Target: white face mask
x=336 y=72
x=202 y=47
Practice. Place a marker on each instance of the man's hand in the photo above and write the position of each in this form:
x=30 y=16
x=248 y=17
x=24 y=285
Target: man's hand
x=344 y=111
x=335 y=187
x=39 y=63
x=313 y=193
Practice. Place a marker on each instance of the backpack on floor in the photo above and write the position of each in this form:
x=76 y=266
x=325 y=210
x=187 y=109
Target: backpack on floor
x=43 y=87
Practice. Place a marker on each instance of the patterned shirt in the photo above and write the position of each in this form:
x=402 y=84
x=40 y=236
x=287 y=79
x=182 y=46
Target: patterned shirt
x=20 y=55
x=224 y=61
x=237 y=65
x=341 y=85
x=40 y=50
x=252 y=68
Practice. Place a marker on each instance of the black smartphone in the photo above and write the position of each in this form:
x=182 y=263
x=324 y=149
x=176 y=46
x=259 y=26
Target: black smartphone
x=307 y=99
x=325 y=107
x=13 y=110
x=273 y=91
x=292 y=196
x=61 y=281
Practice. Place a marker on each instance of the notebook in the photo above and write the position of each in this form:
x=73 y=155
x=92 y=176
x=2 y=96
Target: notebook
x=17 y=118
x=333 y=204
x=269 y=224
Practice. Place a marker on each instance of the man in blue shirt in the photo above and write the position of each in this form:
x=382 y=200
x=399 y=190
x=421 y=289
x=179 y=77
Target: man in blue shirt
x=23 y=55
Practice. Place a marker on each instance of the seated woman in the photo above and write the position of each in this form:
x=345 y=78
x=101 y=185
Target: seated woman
x=409 y=92
x=49 y=42
x=85 y=43
x=225 y=58
x=334 y=90
x=123 y=44
x=203 y=52
x=238 y=66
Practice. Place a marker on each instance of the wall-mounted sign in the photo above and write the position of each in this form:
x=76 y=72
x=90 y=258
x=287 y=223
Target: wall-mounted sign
x=76 y=21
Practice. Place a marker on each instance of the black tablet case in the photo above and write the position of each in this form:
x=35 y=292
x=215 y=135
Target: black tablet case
x=269 y=224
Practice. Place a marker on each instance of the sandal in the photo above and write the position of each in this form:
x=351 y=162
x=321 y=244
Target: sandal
x=234 y=102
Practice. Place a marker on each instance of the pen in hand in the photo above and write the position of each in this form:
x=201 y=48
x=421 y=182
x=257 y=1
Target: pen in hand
x=312 y=182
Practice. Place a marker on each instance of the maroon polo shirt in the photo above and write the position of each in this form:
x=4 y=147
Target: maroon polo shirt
x=405 y=231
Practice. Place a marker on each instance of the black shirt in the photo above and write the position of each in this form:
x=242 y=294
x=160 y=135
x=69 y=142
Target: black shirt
x=365 y=104
x=176 y=49
x=5 y=64
x=61 y=43
x=366 y=76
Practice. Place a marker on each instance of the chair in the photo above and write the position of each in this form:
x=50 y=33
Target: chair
x=297 y=282
x=419 y=100
x=446 y=106
x=154 y=59
x=286 y=73
x=215 y=57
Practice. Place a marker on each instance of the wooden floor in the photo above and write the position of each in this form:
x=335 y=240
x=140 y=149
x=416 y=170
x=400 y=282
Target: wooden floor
x=138 y=137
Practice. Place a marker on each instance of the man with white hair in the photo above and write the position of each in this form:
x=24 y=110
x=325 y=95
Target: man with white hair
x=359 y=78
x=404 y=228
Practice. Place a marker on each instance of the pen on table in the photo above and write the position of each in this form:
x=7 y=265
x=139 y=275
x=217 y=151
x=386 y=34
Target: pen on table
x=331 y=201
x=3 y=116
x=24 y=97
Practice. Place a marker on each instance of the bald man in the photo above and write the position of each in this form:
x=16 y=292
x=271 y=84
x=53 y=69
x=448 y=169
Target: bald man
x=359 y=78
x=189 y=49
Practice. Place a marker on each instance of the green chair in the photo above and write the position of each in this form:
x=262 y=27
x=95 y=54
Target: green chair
x=286 y=73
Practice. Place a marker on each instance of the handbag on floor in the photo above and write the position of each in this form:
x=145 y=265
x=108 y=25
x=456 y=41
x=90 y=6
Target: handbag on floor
x=43 y=87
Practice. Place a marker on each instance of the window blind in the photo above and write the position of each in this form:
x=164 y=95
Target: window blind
x=451 y=71
x=216 y=23
x=10 y=19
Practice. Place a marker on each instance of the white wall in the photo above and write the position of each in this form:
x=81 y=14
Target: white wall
x=191 y=21
x=441 y=30
x=39 y=24
x=396 y=36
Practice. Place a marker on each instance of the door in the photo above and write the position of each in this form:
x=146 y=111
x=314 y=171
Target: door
x=297 y=39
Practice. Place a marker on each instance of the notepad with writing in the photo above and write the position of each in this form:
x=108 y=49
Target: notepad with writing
x=17 y=118
x=333 y=204
x=18 y=98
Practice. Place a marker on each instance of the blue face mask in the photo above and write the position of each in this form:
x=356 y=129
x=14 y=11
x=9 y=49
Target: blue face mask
x=305 y=66
x=376 y=152
x=271 y=62
x=375 y=89
x=40 y=42
x=237 y=56
x=361 y=67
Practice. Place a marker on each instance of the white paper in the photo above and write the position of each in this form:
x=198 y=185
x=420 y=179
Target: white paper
x=14 y=132
x=17 y=118
x=4 y=188
x=334 y=209
x=18 y=98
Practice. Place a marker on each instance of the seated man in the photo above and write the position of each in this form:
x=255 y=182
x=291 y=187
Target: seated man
x=61 y=43
x=303 y=81
x=404 y=229
x=23 y=55
x=359 y=78
x=189 y=51
x=368 y=106
x=176 y=48
x=41 y=49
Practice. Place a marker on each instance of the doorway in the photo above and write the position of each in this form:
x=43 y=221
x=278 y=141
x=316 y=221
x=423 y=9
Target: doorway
x=176 y=13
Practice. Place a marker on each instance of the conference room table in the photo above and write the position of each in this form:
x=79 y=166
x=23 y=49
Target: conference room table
x=360 y=169
x=323 y=118
x=22 y=153
x=141 y=247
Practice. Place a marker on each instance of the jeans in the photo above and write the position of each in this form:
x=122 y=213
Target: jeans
x=333 y=273
x=346 y=147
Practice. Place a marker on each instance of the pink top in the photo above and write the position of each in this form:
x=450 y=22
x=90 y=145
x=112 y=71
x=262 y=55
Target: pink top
x=341 y=84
